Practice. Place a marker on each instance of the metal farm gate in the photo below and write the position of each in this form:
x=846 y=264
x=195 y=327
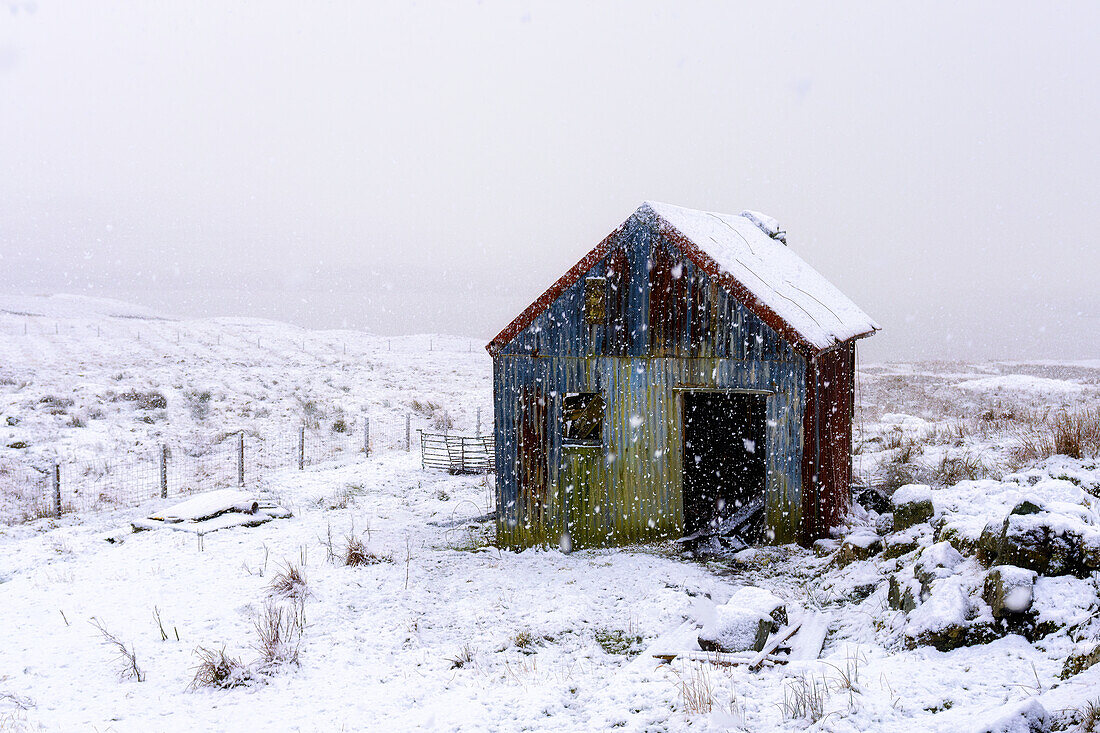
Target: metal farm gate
x=456 y=453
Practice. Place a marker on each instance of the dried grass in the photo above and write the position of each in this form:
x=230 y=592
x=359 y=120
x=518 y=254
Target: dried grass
x=1085 y=719
x=465 y=657
x=962 y=466
x=289 y=583
x=279 y=634
x=804 y=699
x=356 y=553
x=217 y=669
x=128 y=666
x=695 y=688
x=1073 y=433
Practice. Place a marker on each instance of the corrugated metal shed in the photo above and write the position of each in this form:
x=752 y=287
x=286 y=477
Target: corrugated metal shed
x=647 y=319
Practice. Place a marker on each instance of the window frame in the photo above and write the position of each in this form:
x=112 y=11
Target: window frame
x=570 y=415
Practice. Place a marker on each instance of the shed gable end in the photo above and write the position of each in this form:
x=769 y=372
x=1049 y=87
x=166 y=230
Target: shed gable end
x=655 y=302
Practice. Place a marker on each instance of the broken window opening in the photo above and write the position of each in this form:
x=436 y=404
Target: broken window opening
x=582 y=419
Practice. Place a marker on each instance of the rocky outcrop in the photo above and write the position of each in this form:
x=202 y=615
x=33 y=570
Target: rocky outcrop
x=1049 y=543
x=906 y=541
x=860 y=545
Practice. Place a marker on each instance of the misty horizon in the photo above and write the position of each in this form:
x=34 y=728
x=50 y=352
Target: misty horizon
x=435 y=168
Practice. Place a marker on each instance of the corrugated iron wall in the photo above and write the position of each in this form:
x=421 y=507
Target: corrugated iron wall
x=633 y=482
x=667 y=328
x=827 y=462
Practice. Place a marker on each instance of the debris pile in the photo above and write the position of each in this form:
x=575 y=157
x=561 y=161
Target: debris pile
x=752 y=628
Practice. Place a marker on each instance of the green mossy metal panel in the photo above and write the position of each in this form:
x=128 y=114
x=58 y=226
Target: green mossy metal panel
x=580 y=489
x=635 y=490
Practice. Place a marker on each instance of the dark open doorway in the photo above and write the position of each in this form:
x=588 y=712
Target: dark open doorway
x=723 y=455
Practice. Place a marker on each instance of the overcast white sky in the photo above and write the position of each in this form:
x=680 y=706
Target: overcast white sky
x=406 y=167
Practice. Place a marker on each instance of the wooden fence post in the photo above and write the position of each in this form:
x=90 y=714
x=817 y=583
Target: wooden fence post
x=408 y=432
x=163 y=471
x=477 y=432
x=240 y=458
x=302 y=448
x=57 y=489
x=366 y=435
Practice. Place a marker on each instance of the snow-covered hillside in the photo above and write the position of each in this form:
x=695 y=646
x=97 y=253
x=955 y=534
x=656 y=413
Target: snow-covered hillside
x=93 y=381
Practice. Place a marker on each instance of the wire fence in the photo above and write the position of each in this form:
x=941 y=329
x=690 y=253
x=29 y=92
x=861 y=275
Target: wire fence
x=227 y=460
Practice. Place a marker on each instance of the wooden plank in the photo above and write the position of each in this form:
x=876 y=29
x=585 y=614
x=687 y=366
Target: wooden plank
x=722 y=659
x=812 y=637
x=772 y=645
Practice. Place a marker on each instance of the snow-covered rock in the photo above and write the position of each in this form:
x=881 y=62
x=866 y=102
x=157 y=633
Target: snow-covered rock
x=903 y=592
x=1009 y=590
x=912 y=505
x=1083 y=657
x=1063 y=601
x=860 y=545
x=906 y=541
x=936 y=562
x=1028 y=716
x=941 y=621
x=761 y=600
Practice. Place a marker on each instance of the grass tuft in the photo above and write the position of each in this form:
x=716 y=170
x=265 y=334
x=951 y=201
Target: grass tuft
x=804 y=699
x=464 y=658
x=1073 y=433
x=695 y=688
x=357 y=554
x=963 y=466
x=289 y=583
x=219 y=670
x=279 y=634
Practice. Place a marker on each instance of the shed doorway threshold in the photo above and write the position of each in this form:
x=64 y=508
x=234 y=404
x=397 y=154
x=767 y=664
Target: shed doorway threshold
x=739 y=531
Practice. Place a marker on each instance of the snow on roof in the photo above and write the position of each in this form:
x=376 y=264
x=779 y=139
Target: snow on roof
x=772 y=272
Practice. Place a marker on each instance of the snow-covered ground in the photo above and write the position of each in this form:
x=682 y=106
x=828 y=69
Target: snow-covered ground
x=447 y=632
x=97 y=384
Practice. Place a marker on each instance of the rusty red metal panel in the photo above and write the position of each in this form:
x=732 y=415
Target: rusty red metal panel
x=618 y=338
x=683 y=306
x=736 y=289
x=533 y=453
x=669 y=298
x=827 y=442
